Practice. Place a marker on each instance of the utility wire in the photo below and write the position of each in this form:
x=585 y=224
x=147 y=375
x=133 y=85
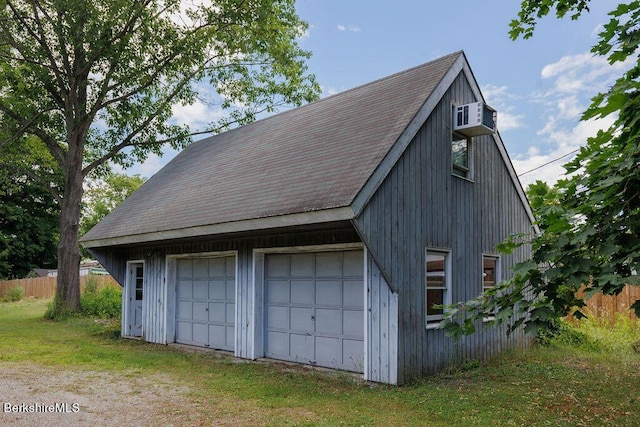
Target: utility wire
x=550 y=161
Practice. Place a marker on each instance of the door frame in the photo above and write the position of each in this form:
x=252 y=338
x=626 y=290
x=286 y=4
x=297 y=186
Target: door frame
x=129 y=303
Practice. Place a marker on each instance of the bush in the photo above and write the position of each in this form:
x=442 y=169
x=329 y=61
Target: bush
x=105 y=303
x=16 y=293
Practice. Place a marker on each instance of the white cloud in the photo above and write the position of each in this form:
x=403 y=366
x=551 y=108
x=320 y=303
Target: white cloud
x=351 y=28
x=502 y=99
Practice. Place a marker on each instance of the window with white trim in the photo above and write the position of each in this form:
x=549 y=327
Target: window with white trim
x=461 y=164
x=490 y=275
x=437 y=285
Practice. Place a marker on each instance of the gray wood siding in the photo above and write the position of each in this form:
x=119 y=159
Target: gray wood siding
x=381 y=364
x=422 y=205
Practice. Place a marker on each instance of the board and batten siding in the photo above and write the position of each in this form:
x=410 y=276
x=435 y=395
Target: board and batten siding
x=421 y=205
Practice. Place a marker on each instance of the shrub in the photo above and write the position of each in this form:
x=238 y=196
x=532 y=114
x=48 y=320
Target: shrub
x=105 y=303
x=16 y=293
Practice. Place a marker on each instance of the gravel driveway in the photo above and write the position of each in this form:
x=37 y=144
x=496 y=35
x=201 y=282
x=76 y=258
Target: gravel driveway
x=92 y=398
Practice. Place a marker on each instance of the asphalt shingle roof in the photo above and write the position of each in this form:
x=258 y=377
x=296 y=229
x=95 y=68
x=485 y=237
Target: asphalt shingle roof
x=315 y=157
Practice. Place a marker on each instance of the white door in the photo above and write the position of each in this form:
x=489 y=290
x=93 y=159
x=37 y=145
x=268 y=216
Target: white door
x=205 y=314
x=135 y=293
x=314 y=308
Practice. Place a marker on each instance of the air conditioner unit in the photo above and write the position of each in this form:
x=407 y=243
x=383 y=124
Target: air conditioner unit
x=474 y=119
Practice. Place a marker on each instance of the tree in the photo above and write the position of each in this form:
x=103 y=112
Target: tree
x=96 y=81
x=104 y=195
x=590 y=221
x=30 y=185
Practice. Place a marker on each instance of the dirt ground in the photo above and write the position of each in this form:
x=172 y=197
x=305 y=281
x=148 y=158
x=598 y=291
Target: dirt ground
x=90 y=398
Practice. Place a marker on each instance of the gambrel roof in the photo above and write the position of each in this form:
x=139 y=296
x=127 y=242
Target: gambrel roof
x=316 y=163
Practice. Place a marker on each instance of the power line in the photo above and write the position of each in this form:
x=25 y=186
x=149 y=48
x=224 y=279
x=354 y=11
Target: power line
x=550 y=161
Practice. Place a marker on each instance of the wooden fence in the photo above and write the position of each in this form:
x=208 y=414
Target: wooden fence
x=607 y=306
x=45 y=287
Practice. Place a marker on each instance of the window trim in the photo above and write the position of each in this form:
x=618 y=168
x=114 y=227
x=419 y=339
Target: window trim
x=432 y=321
x=497 y=278
x=460 y=171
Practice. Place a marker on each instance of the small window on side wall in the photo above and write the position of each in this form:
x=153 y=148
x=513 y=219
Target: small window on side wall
x=437 y=285
x=461 y=156
x=490 y=275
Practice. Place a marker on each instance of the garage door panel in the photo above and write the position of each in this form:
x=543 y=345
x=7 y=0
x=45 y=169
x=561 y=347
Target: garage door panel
x=329 y=292
x=302 y=292
x=185 y=289
x=184 y=309
x=328 y=321
x=183 y=329
x=200 y=311
x=217 y=312
x=200 y=289
x=301 y=318
x=329 y=352
x=302 y=265
x=353 y=265
x=279 y=265
x=231 y=313
x=205 y=307
x=200 y=267
x=302 y=347
x=278 y=317
x=217 y=289
x=217 y=267
x=278 y=344
x=352 y=355
x=278 y=291
x=321 y=296
x=353 y=293
x=201 y=333
x=231 y=289
x=218 y=334
x=185 y=266
x=353 y=323
x=329 y=264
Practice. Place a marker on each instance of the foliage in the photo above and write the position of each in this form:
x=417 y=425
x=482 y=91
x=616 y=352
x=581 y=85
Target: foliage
x=15 y=293
x=103 y=303
x=30 y=184
x=104 y=195
x=590 y=221
x=97 y=81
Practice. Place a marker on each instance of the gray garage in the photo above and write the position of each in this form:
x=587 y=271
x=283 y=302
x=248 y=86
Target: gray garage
x=205 y=314
x=315 y=308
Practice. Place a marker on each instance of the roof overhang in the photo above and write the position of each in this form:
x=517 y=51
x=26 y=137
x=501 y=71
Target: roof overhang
x=274 y=222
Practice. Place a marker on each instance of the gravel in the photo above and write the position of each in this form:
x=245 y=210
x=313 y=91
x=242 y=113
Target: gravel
x=34 y=395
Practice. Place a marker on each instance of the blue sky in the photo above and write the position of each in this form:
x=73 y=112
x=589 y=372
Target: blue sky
x=539 y=86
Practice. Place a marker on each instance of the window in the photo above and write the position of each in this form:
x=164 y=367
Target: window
x=490 y=275
x=461 y=156
x=437 y=279
x=139 y=274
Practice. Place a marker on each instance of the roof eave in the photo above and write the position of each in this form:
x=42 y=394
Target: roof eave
x=289 y=220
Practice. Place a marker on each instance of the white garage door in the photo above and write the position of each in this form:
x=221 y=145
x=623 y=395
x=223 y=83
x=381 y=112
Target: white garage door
x=205 y=314
x=315 y=308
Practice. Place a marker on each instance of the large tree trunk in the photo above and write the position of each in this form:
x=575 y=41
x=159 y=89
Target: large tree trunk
x=68 y=283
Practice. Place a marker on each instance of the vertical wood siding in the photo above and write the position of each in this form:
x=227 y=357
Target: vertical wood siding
x=421 y=204
x=382 y=328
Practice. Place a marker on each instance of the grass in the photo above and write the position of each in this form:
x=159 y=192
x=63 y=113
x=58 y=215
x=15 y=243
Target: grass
x=590 y=379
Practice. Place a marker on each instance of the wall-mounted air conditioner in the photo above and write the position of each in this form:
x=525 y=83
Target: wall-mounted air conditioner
x=474 y=119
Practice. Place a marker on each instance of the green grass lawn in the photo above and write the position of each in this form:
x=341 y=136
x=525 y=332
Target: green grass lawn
x=588 y=376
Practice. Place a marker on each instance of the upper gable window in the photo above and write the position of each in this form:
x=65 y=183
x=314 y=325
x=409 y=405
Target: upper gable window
x=461 y=164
